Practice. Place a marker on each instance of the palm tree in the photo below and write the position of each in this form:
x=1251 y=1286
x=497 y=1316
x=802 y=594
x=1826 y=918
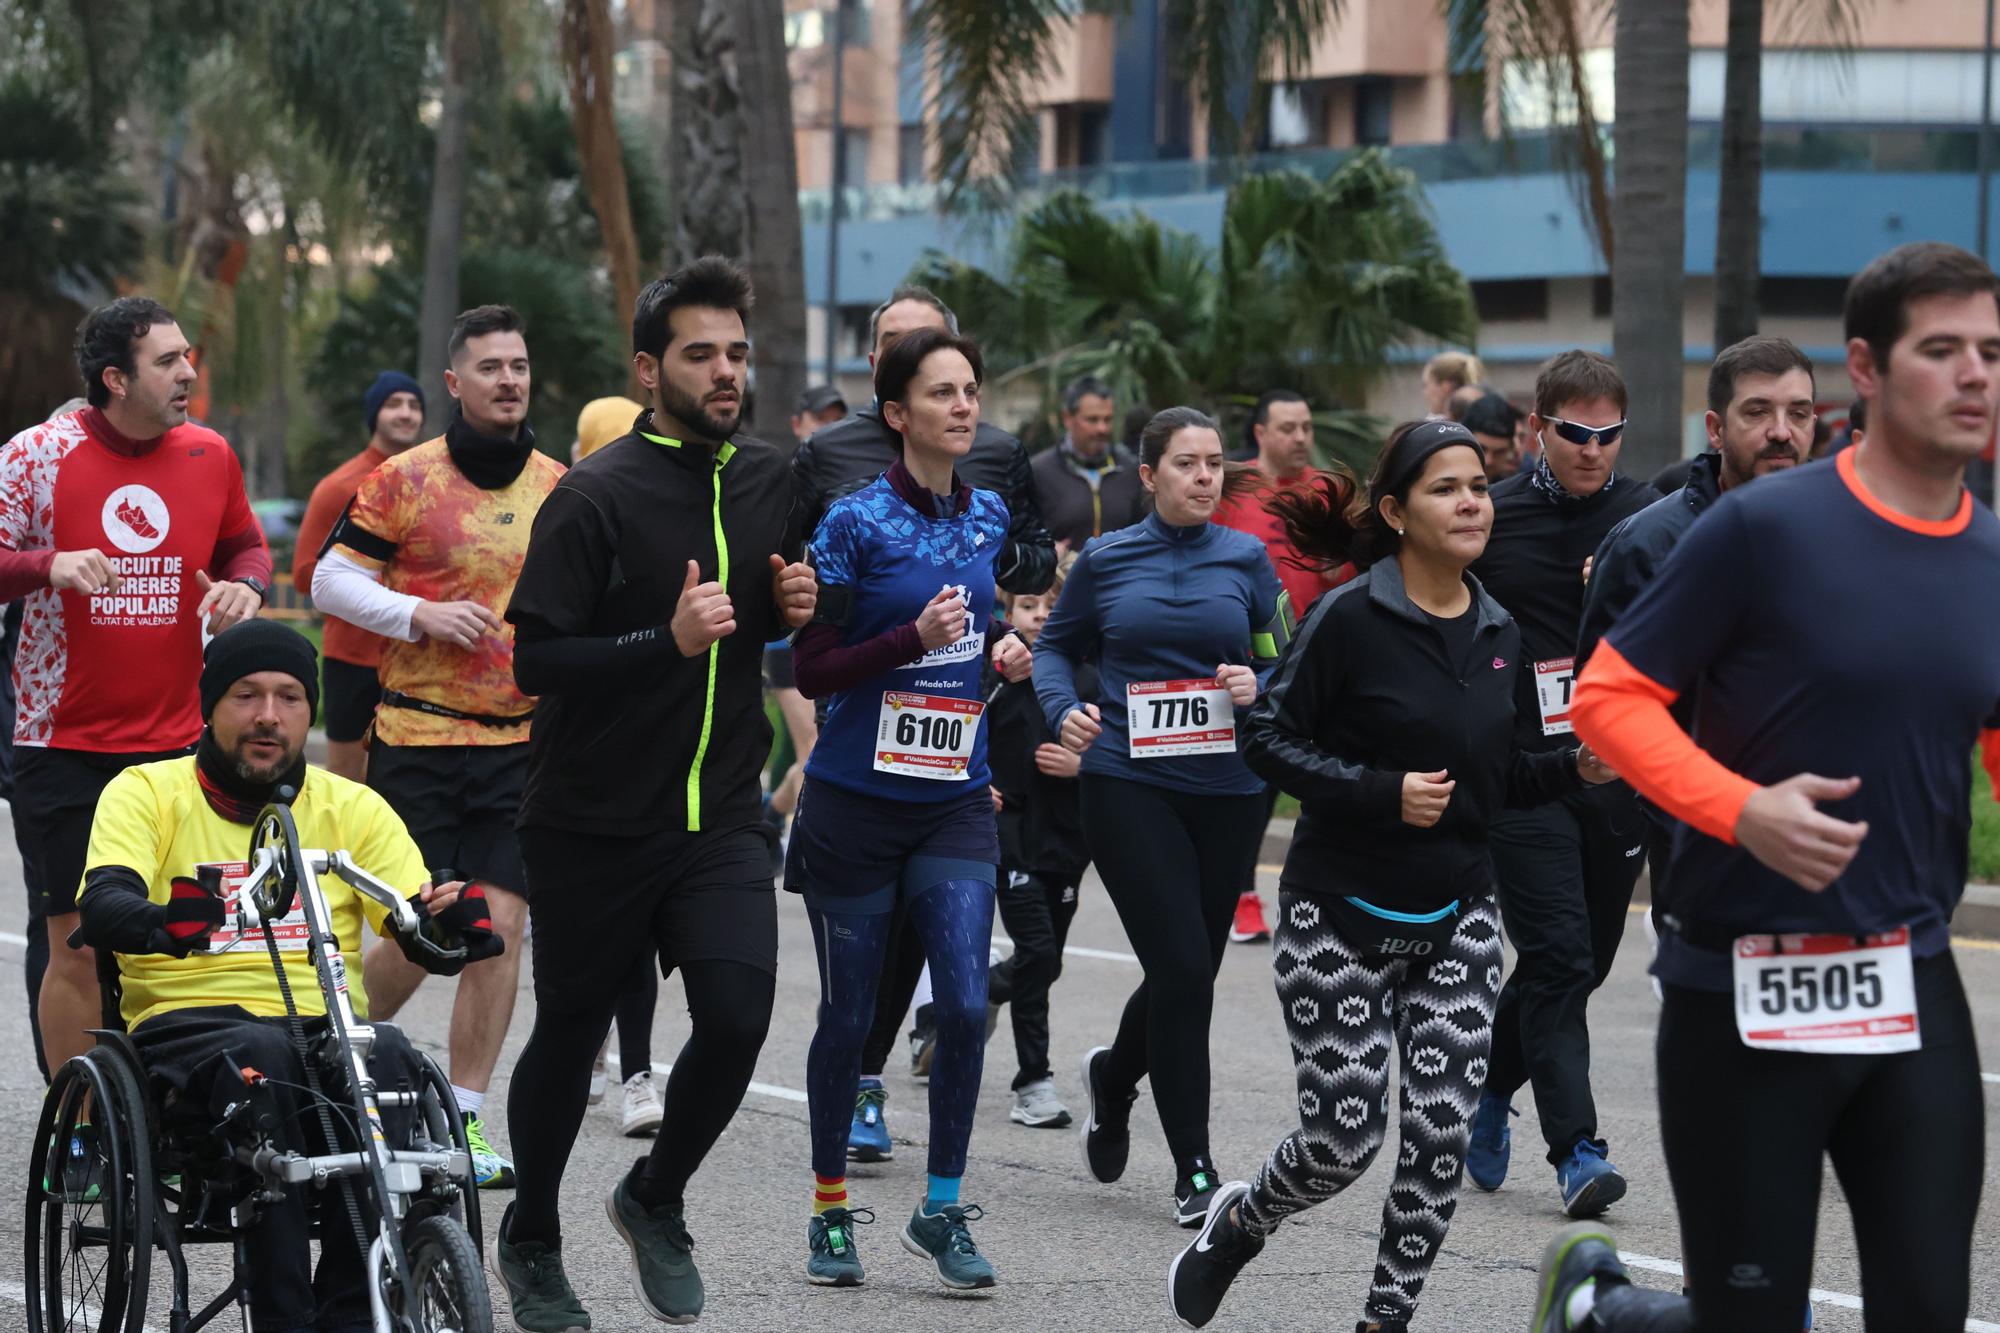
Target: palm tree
x=444 y=233
x=1313 y=285
x=1738 y=213
x=1649 y=218
x=771 y=196
x=587 y=41
x=69 y=218
x=988 y=55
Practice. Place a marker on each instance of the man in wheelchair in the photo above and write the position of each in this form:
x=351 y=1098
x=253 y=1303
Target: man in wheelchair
x=202 y=1002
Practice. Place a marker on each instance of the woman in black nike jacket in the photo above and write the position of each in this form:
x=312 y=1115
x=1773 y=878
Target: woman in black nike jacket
x=1391 y=718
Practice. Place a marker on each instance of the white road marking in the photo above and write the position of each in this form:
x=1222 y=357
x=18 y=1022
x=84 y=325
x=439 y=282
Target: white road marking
x=1834 y=1298
x=1105 y=955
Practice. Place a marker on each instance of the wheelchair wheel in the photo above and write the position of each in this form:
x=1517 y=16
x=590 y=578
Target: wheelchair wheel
x=447 y=1284
x=445 y=1125
x=88 y=1239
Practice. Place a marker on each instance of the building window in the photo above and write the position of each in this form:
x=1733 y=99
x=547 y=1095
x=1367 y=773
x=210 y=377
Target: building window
x=854 y=156
x=910 y=154
x=1083 y=135
x=1511 y=299
x=1374 y=111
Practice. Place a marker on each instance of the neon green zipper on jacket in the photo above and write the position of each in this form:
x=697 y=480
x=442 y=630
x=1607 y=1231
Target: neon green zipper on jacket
x=722 y=457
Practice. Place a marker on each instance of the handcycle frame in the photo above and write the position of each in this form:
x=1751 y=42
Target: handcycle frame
x=281 y=873
x=131 y=1213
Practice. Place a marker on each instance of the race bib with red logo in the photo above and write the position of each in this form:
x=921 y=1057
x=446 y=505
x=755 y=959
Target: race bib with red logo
x=927 y=735
x=1832 y=994
x=1164 y=718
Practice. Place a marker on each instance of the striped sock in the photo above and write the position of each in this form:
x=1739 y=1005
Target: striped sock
x=828 y=1192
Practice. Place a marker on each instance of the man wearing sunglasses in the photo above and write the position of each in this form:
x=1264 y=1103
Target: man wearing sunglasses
x=1565 y=870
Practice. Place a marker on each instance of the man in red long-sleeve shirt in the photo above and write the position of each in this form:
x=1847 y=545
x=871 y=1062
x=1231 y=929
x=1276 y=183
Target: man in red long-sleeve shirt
x=127 y=530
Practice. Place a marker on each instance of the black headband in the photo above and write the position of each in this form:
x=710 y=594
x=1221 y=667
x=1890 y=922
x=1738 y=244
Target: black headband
x=1425 y=439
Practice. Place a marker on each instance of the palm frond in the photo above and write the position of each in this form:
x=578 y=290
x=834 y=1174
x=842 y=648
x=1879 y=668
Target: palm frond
x=985 y=59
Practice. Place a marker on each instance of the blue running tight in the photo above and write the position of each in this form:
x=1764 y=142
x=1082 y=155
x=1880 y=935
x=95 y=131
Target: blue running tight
x=954 y=919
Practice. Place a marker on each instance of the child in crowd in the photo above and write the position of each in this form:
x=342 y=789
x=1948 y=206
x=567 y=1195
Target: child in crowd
x=1042 y=859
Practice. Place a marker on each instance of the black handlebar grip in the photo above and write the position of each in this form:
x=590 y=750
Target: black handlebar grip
x=444 y=875
x=210 y=879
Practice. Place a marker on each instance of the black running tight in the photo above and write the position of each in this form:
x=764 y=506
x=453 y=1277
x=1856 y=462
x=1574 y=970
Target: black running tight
x=1747 y=1133
x=729 y=1009
x=1173 y=864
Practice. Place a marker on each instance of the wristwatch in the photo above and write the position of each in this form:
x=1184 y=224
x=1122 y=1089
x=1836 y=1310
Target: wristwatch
x=256 y=585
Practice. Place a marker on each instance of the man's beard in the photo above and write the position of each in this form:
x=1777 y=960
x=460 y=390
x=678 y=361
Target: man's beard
x=260 y=775
x=688 y=410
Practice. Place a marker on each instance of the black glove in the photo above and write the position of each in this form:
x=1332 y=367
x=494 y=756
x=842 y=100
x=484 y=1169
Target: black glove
x=192 y=914
x=472 y=923
x=465 y=924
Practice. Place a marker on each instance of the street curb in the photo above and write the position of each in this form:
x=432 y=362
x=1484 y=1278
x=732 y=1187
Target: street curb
x=1978 y=915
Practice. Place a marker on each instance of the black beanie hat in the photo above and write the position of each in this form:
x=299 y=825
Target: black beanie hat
x=257 y=645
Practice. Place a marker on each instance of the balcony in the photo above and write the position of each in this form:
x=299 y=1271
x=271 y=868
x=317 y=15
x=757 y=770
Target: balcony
x=1795 y=148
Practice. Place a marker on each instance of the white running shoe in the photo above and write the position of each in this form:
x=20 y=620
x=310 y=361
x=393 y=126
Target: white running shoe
x=643 y=1112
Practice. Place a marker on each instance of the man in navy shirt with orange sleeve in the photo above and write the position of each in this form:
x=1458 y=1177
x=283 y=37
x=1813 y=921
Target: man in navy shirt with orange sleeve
x=1831 y=626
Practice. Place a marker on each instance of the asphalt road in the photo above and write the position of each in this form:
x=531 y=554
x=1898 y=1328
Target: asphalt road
x=1072 y=1254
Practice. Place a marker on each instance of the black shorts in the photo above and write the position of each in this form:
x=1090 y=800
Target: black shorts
x=55 y=797
x=604 y=901
x=459 y=802
x=348 y=696
x=852 y=852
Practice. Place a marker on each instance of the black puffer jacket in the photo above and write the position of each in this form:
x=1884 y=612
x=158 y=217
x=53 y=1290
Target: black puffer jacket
x=1633 y=552
x=844 y=457
x=1367 y=693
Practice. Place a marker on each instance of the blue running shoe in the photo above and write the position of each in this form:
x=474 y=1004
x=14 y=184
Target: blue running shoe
x=868 y=1139
x=1492 y=1143
x=831 y=1259
x=944 y=1238
x=1589 y=1183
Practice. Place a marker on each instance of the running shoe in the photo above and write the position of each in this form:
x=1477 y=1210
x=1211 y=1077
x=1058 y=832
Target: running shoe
x=643 y=1112
x=539 y=1297
x=490 y=1171
x=1200 y=1275
x=868 y=1138
x=1576 y=1257
x=1194 y=1196
x=1107 y=1128
x=1038 y=1107
x=1492 y=1143
x=80 y=1170
x=663 y=1272
x=1588 y=1181
x=944 y=1238
x=1249 y=927
x=832 y=1260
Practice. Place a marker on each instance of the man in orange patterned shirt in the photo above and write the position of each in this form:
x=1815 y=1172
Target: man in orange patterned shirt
x=427 y=556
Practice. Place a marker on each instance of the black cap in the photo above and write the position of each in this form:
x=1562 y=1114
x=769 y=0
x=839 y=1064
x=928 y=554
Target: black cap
x=251 y=646
x=1491 y=415
x=818 y=398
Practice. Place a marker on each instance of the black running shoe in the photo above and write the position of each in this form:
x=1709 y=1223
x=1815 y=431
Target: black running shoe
x=1201 y=1273
x=1107 y=1123
x=1194 y=1193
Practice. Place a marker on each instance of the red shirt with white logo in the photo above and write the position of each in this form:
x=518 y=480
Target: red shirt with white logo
x=118 y=673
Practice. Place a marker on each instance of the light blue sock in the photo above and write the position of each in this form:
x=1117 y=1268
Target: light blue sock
x=941 y=1193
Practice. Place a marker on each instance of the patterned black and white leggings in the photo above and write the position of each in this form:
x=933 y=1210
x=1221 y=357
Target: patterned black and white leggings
x=1344 y=1013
